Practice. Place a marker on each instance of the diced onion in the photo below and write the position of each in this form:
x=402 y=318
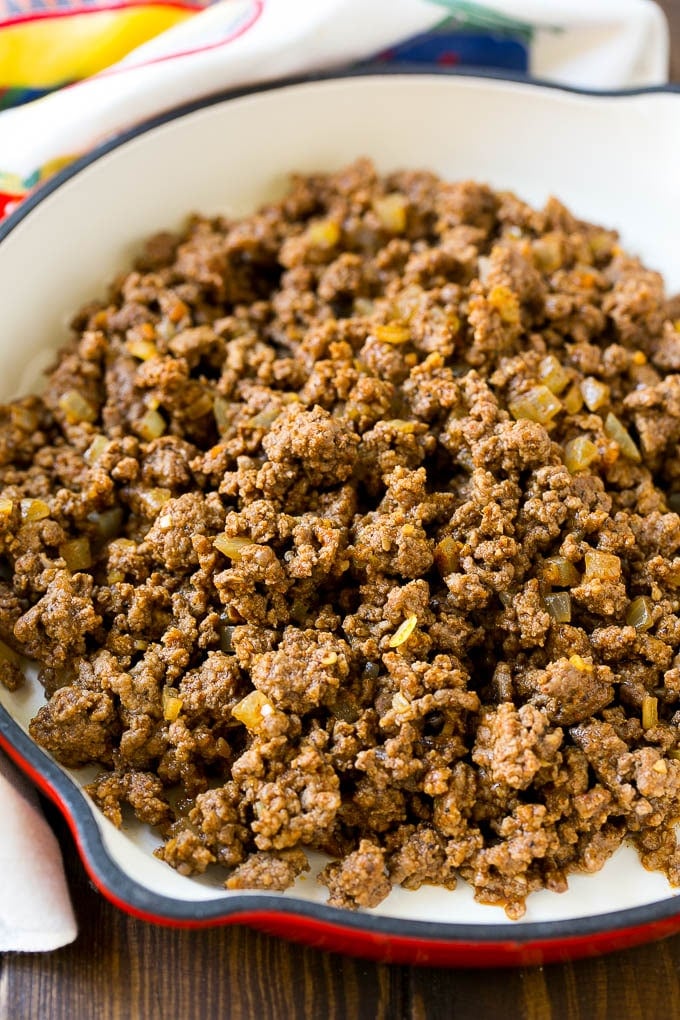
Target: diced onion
x=76 y=554
x=165 y=329
x=506 y=304
x=454 y=322
x=553 y=374
x=97 y=448
x=151 y=425
x=142 y=349
x=391 y=211
x=115 y=575
x=604 y=565
x=6 y=506
x=560 y=572
x=253 y=710
x=399 y=425
x=363 y=306
x=579 y=663
x=538 y=404
x=392 y=333
x=403 y=633
x=23 y=418
x=34 y=509
x=601 y=243
x=200 y=407
x=594 y=393
x=547 y=253
x=323 y=233
x=616 y=431
x=650 y=712
x=222 y=416
x=76 y=408
x=124 y=543
x=154 y=498
x=172 y=704
x=165 y=522
x=107 y=522
x=483 y=268
x=558 y=604
x=232 y=546
x=407 y=303
x=572 y=400
x=639 y=613
x=446 y=555
x=579 y=454
x=265 y=418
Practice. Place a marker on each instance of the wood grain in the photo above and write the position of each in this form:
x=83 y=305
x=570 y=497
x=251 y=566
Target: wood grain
x=122 y=969
x=672 y=10
x=640 y=984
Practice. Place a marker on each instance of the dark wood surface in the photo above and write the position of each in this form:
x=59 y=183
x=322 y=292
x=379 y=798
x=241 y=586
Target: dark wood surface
x=672 y=9
x=122 y=969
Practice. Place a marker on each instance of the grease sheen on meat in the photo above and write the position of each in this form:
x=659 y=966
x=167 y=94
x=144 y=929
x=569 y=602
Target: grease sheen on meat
x=354 y=520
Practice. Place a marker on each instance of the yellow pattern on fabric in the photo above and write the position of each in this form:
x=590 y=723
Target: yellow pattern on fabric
x=49 y=51
x=11 y=184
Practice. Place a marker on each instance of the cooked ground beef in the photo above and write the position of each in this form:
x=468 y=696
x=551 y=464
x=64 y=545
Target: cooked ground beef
x=355 y=520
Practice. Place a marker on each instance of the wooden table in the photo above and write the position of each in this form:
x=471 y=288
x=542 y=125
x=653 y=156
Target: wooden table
x=122 y=969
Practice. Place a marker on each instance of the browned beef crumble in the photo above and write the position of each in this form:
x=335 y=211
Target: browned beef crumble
x=356 y=521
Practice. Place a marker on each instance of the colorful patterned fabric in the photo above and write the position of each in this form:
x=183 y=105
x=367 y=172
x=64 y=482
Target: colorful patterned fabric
x=125 y=60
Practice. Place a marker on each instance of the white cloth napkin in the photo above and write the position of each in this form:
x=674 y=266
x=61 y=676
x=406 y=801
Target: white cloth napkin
x=35 y=909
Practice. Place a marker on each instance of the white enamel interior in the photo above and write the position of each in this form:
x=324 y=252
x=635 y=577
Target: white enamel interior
x=614 y=160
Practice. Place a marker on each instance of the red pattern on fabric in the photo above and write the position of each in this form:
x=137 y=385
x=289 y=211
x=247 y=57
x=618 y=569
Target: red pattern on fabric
x=7 y=203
